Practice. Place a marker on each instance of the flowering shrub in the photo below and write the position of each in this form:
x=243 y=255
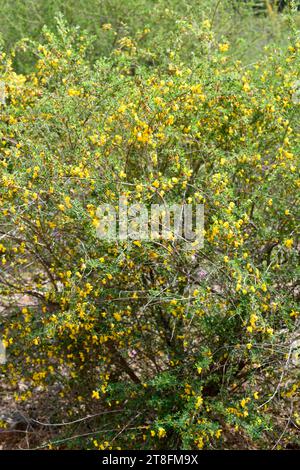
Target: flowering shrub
x=143 y=344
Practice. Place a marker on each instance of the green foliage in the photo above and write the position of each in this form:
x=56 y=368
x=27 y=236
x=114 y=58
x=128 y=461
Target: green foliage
x=238 y=21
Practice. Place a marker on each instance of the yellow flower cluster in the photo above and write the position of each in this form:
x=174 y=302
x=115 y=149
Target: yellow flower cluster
x=185 y=337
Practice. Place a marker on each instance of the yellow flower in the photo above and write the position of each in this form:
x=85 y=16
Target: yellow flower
x=199 y=401
x=224 y=47
x=244 y=402
x=122 y=108
x=161 y=433
x=73 y=92
x=246 y=87
x=288 y=243
x=199 y=442
x=106 y=26
x=206 y=24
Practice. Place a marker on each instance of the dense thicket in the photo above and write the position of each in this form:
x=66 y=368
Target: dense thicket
x=143 y=344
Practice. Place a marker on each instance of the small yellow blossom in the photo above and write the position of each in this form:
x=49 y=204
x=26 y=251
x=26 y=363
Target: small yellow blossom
x=73 y=92
x=199 y=402
x=288 y=243
x=106 y=26
x=161 y=433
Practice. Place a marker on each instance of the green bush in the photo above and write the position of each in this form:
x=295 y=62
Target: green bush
x=142 y=344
